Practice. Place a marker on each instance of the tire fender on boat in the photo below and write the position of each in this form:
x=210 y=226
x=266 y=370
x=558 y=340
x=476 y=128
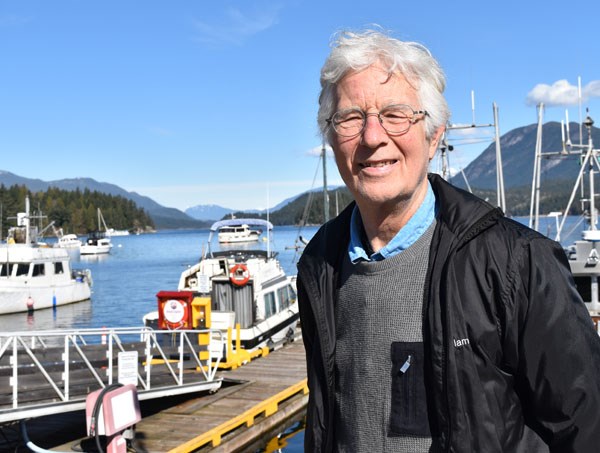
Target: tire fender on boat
x=239 y=275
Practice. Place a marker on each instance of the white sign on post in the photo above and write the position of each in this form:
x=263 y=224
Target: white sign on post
x=128 y=367
x=203 y=283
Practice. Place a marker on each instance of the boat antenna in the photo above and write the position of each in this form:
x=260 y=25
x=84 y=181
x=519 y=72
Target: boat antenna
x=473 y=106
x=568 y=137
x=580 y=115
x=269 y=233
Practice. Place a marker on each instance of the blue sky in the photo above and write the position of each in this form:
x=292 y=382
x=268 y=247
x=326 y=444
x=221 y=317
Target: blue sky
x=198 y=102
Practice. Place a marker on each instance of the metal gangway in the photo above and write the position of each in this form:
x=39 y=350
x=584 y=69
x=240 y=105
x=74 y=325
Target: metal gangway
x=52 y=371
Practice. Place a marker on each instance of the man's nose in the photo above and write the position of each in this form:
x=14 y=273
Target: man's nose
x=373 y=135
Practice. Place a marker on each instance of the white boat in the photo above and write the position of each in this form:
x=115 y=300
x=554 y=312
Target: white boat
x=248 y=288
x=112 y=232
x=69 y=241
x=34 y=277
x=584 y=254
x=97 y=242
x=236 y=230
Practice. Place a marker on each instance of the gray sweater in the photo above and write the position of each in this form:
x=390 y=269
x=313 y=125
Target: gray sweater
x=379 y=311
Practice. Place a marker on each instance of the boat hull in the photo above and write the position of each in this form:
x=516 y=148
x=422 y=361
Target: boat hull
x=94 y=249
x=15 y=299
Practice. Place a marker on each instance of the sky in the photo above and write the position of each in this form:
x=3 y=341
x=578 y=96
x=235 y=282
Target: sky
x=204 y=102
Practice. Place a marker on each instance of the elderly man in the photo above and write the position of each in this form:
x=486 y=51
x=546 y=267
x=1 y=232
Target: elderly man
x=432 y=322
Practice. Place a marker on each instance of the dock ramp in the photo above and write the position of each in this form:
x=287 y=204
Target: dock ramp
x=51 y=372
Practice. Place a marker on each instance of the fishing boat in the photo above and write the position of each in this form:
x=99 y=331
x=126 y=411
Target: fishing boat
x=97 y=242
x=584 y=254
x=236 y=230
x=250 y=294
x=34 y=277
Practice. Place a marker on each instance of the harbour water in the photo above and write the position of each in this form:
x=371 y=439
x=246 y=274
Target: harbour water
x=139 y=266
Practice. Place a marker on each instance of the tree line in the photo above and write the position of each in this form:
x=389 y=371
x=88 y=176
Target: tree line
x=74 y=211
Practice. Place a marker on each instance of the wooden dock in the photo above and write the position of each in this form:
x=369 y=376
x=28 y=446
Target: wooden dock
x=253 y=400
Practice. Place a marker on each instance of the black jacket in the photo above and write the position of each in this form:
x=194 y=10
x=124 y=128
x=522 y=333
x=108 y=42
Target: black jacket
x=532 y=355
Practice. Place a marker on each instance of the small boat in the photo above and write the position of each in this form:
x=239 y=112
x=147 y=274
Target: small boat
x=236 y=230
x=69 y=241
x=34 y=277
x=112 y=232
x=97 y=242
x=248 y=290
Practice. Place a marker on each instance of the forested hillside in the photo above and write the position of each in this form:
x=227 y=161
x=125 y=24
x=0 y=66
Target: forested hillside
x=74 y=211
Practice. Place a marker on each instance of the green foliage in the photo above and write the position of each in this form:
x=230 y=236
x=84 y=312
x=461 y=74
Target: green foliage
x=73 y=211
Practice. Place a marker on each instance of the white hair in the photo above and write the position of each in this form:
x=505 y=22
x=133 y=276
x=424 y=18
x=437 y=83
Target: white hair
x=352 y=52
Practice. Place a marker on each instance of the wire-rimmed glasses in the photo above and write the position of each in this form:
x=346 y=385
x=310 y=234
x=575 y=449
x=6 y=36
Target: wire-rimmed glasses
x=396 y=119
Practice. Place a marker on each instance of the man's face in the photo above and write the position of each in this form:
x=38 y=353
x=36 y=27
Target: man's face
x=380 y=169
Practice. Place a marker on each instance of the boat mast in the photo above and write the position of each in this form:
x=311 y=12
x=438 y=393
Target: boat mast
x=445 y=146
x=501 y=199
x=534 y=206
x=26 y=221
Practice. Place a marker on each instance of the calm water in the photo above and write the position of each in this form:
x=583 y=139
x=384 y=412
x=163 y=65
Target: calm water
x=126 y=280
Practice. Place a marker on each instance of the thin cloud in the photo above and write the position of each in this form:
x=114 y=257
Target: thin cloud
x=161 y=131
x=12 y=20
x=222 y=187
x=317 y=150
x=562 y=93
x=236 y=26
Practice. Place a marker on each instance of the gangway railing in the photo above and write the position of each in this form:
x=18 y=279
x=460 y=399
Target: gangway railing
x=52 y=371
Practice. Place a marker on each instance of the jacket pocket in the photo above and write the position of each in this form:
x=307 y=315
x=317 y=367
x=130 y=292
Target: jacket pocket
x=408 y=414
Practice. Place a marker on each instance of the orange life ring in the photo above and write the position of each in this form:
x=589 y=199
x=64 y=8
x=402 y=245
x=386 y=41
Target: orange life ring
x=239 y=275
x=175 y=313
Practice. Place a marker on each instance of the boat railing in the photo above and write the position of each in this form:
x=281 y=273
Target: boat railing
x=47 y=372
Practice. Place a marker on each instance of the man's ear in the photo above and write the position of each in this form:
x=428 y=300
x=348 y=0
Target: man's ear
x=435 y=140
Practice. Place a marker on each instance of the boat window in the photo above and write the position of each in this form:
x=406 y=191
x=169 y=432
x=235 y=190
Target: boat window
x=287 y=296
x=22 y=269
x=270 y=305
x=38 y=269
x=4 y=270
x=58 y=268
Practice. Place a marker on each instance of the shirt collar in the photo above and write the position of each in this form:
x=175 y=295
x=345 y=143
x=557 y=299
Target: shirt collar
x=407 y=236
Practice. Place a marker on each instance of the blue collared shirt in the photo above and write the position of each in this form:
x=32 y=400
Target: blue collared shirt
x=407 y=236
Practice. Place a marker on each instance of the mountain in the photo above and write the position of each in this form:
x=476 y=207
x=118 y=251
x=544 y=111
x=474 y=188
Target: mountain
x=518 y=153
x=213 y=212
x=208 y=212
x=163 y=217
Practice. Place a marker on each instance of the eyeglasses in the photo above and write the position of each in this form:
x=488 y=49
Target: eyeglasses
x=395 y=119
